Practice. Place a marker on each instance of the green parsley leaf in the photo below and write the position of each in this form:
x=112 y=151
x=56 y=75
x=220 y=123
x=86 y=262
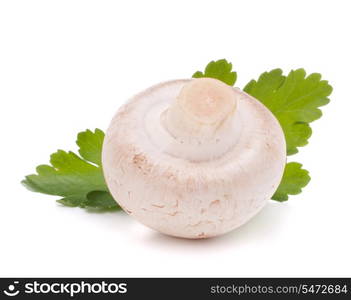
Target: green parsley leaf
x=220 y=69
x=294 y=179
x=96 y=199
x=90 y=145
x=100 y=199
x=294 y=100
x=79 y=180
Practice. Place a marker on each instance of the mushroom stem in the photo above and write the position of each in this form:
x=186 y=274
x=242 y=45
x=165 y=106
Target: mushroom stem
x=202 y=116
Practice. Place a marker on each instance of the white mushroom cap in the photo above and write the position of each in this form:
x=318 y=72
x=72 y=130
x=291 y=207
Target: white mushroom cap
x=193 y=158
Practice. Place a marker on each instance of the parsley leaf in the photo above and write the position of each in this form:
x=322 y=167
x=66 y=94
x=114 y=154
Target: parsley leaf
x=100 y=199
x=79 y=180
x=294 y=179
x=94 y=199
x=220 y=69
x=90 y=145
x=294 y=100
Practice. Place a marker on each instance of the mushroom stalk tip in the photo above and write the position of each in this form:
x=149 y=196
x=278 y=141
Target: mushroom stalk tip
x=200 y=110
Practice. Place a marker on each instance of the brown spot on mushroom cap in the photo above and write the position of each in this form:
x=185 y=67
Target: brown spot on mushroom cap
x=215 y=206
x=141 y=162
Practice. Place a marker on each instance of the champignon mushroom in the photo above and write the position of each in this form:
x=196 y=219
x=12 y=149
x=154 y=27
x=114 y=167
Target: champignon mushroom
x=193 y=158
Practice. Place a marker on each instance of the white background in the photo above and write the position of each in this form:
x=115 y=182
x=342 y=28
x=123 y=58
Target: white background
x=68 y=65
